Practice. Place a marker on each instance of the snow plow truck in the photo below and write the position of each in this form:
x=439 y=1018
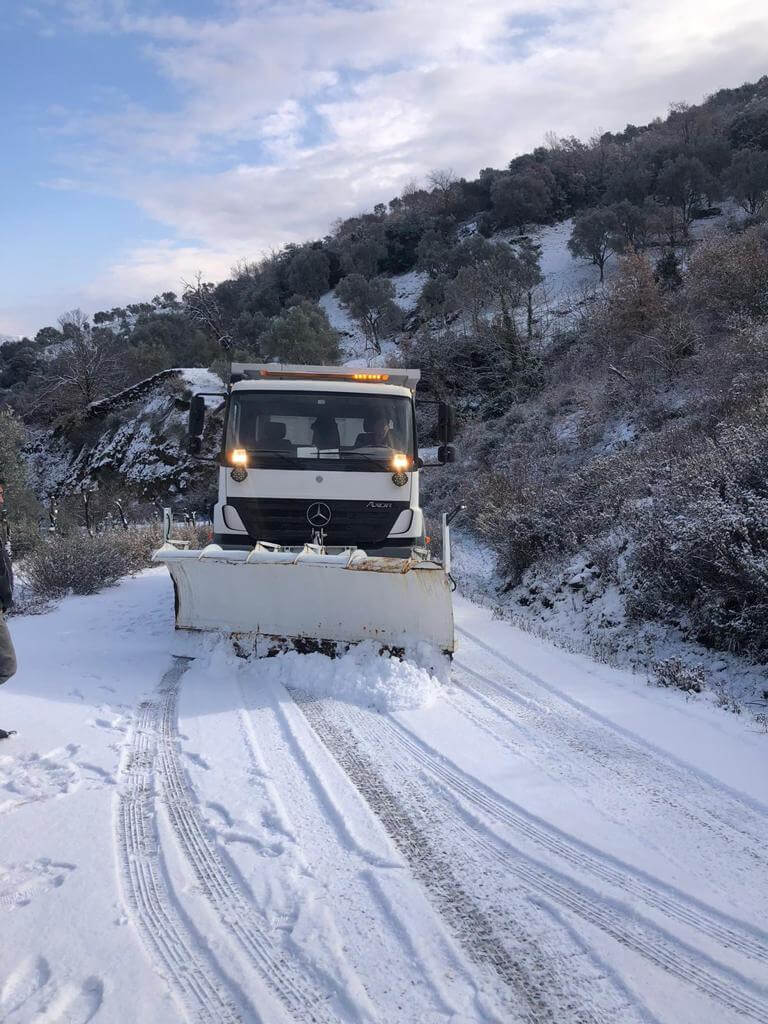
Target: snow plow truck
x=318 y=534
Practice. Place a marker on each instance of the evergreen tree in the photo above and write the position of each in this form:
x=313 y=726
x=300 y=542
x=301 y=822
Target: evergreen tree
x=595 y=237
x=301 y=335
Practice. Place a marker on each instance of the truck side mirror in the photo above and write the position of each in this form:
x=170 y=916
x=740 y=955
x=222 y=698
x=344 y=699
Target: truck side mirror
x=196 y=416
x=446 y=453
x=446 y=422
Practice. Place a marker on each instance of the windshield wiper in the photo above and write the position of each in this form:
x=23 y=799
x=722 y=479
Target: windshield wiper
x=369 y=455
x=284 y=455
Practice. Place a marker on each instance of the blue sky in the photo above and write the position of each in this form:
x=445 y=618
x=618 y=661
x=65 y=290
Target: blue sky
x=145 y=140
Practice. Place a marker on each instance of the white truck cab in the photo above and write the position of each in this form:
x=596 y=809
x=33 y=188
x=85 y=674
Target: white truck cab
x=324 y=455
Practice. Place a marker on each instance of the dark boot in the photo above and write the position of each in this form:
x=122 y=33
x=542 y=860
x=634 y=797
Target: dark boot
x=7 y=735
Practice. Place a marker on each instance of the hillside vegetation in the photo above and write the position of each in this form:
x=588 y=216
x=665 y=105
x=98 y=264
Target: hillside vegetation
x=614 y=436
x=640 y=456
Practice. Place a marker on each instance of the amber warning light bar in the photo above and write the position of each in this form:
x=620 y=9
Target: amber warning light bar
x=393 y=376
x=299 y=375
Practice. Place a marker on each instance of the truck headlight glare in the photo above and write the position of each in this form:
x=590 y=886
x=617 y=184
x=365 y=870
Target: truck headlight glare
x=401 y=462
x=238 y=459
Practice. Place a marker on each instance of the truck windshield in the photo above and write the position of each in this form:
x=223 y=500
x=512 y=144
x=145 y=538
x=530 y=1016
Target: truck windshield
x=360 y=430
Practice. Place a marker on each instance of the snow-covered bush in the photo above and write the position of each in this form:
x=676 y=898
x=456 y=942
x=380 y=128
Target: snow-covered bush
x=78 y=563
x=635 y=301
x=672 y=672
x=606 y=551
x=701 y=549
x=84 y=564
x=725 y=699
x=138 y=542
x=729 y=273
x=519 y=536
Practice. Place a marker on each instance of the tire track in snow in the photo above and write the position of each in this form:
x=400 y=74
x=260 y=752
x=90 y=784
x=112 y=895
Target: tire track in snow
x=187 y=967
x=669 y=954
x=625 y=764
x=528 y=974
x=234 y=909
x=672 y=903
x=639 y=747
x=622 y=923
x=349 y=860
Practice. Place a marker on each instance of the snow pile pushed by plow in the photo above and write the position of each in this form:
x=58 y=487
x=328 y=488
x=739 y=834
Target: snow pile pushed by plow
x=364 y=674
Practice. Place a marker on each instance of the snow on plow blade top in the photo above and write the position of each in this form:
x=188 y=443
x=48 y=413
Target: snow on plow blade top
x=308 y=594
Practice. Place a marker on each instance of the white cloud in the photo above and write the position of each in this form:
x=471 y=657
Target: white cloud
x=146 y=270
x=62 y=184
x=468 y=110
x=135 y=276
x=400 y=86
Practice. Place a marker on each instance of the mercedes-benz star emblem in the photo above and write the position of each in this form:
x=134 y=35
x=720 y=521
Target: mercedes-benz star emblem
x=318 y=515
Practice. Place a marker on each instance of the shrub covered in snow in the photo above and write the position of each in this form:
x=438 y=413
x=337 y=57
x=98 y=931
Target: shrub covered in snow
x=83 y=564
x=78 y=563
x=702 y=546
x=729 y=273
x=672 y=672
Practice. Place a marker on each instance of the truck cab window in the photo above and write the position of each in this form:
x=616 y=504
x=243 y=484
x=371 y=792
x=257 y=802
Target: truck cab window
x=360 y=430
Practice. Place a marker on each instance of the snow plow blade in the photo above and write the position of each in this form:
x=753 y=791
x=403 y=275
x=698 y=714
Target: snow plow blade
x=312 y=596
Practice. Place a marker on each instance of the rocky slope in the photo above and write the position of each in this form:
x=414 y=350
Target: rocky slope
x=133 y=441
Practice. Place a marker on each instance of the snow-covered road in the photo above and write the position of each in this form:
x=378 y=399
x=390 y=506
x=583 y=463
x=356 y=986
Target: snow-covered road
x=189 y=836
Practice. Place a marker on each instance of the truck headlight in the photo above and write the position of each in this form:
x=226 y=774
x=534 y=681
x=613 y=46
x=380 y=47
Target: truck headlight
x=400 y=462
x=238 y=458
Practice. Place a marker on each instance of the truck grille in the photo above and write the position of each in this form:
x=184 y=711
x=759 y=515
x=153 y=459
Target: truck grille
x=284 y=521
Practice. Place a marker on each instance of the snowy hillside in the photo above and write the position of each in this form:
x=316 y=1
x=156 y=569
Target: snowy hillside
x=136 y=437
x=567 y=284
x=353 y=341
x=536 y=839
x=569 y=604
x=356 y=350
x=607 y=478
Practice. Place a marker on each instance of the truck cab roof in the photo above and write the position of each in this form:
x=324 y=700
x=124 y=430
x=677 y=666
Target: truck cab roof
x=380 y=377
x=320 y=385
